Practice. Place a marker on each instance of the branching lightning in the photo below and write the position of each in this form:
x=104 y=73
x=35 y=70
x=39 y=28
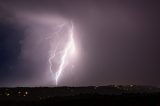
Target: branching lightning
x=68 y=51
x=52 y=55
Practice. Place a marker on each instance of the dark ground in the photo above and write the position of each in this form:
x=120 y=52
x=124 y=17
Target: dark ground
x=103 y=95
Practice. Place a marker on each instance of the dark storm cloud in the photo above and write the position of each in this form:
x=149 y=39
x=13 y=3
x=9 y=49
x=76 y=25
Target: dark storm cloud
x=14 y=68
x=10 y=48
x=119 y=40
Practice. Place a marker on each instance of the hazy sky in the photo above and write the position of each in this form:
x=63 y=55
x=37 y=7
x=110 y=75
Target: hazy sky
x=117 y=42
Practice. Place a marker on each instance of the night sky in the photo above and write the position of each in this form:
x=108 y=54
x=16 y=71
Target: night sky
x=117 y=41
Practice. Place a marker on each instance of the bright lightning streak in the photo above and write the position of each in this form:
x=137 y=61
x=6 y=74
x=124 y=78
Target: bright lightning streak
x=65 y=54
x=70 y=48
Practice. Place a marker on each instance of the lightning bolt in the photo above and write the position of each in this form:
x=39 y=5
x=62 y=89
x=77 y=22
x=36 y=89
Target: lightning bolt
x=68 y=51
x=51 y=57
x=70 y=48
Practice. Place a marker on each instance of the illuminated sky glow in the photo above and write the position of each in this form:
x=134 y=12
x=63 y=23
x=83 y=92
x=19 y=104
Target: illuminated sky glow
x=107 y=42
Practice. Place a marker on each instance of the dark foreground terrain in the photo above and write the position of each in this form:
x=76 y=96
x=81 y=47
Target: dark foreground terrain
x=103 y=95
